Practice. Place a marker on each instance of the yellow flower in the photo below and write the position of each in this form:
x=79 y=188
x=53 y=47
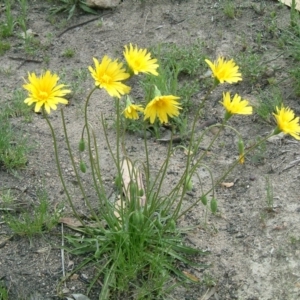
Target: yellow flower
x=225 y=70
x=131 y=111
x=235 y=106
x=44 y=90
x=139 y=61
x=162 y=107
x=287 y=122
x=108 y=75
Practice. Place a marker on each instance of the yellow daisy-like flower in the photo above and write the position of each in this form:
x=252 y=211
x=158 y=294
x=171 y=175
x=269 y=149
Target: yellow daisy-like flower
x=139 y=61
x=44 y=90
x=108 y=75
x=131 y=111
x=225 y=70
x=235 y=106
x=162 y=107
x=287 y=122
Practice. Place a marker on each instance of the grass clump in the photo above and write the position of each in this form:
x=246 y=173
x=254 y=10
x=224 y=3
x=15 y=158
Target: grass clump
x=4 y=46
x=138 y=251
x=34 y=222
x=68 y=53
x=13 y=146
x=268 y=100
x=251 y=65
x=7 y=27
x=3 y=291
x=229 y=9
x=16 y=107
x=71 y=6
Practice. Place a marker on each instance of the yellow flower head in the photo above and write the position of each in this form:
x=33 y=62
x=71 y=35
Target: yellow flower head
x=287 y=122
x=131 y=111
x=225 y=70
x=235 y=106
x=139 y=61
x=108 y=75
x=44 y=90
x=162 y=107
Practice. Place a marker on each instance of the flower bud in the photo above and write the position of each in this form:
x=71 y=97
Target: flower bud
x=81 y=145
x=157 y=92
x=133 y=189
x=204 y=200
x=213 y=205
x=188 y=183
x=82 y=166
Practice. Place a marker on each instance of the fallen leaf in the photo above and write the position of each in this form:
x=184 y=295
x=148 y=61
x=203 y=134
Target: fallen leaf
x=72 y=222
x=227 y=184
x=289 y=3
x=129 y=174
x=118 y=205
x=28 y=33
x=80 y=297
x=187 y=152
x=191 y=276
x=208 y=294
x=74 y=277
x=43 y=250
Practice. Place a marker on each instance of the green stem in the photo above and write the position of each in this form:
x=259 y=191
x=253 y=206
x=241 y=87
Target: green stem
x=59 y=168
x=74 y=166
x=101 y=193
x=226 y=173
x=178 y=206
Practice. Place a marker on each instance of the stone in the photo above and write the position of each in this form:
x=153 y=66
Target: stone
x=103 y=3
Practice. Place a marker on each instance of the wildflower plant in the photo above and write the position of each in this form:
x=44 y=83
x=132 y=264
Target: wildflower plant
x=135 y=241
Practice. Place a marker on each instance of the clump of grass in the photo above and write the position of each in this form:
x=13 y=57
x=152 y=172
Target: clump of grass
x=3 y=291
x=268 y=100
x=16 y=107
x=229 y=9
x=71 y=6
x=291 y=41
x=13 y=147
x=140 y=251
x=4 y=46
x=30 y=223
x=7 y=27
x=251 y=65
x=68 y=53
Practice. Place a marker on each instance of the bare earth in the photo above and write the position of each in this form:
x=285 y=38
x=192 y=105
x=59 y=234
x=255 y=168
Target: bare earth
x=252 y=254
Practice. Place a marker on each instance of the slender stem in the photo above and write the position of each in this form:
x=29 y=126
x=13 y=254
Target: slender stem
x=226 y=173
x=87 y=126
x=74 y=166
x=178 y=206
x=59 y=168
